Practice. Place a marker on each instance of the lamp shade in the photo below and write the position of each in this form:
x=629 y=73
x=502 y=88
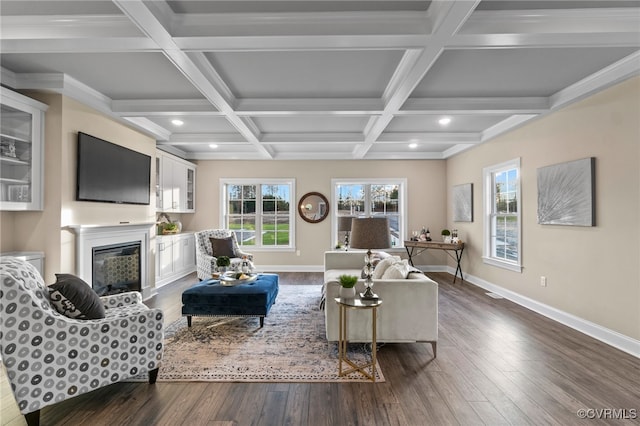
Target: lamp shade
x=370 y=233
x=344 y=223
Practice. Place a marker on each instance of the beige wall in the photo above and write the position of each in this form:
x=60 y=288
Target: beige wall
x=593 y=272
x=426 y=194
x=44 y=231
x=79 y=118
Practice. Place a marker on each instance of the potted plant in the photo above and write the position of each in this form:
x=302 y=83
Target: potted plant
x=347 y=286
x=222 y=262
x=445 y=234
x=170 y=228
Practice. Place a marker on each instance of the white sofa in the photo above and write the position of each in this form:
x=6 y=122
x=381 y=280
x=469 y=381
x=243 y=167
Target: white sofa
x=409 y=310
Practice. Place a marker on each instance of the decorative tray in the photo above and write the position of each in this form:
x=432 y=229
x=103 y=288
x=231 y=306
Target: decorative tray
x=235 y=278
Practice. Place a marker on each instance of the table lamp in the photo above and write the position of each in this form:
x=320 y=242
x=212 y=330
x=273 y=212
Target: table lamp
x=370 y=233
x=344 y=225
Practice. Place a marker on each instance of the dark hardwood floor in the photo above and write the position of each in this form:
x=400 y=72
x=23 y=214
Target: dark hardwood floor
x=498 y=363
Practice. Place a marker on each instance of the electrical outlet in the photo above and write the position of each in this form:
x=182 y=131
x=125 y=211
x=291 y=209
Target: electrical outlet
x=543 y=281
x=297 y=252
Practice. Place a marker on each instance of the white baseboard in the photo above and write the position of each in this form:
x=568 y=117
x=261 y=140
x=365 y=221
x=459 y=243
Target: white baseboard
x=290 y=268
x=610 y=337
x=605 y=335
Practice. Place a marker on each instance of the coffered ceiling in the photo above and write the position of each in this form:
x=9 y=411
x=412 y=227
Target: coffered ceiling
x=308 y=79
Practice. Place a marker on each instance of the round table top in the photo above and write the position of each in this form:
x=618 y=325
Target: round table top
x=358 y=303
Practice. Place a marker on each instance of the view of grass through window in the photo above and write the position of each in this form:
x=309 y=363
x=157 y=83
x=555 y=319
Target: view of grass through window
x=260 y=214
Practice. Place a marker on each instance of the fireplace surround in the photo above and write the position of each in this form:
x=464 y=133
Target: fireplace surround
x=91 y=237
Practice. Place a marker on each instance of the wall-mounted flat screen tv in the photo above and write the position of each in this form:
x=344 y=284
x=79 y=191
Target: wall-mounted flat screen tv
x=111 y=173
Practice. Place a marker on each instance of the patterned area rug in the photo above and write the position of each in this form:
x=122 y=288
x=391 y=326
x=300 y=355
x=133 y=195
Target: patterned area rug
x=291 y=347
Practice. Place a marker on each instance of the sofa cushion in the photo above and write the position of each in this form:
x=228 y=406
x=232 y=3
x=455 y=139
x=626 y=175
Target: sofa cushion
x=222 y=247
x=397 y=271
x=74 y=298
x=382 y=266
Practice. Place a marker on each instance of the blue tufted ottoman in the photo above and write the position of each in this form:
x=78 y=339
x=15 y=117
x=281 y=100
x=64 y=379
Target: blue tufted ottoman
x=209 y=298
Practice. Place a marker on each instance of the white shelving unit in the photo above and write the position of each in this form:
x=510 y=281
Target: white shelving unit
x=21 y=151
x=175 y=184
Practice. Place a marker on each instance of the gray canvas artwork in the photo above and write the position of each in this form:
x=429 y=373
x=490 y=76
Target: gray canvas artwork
x=463 y=203
x=566 y=193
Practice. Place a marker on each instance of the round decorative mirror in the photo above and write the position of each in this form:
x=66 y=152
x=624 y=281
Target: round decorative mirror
x=313 y=207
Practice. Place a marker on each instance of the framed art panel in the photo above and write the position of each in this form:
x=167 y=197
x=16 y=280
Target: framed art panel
x=566 y=193
x=463 y=203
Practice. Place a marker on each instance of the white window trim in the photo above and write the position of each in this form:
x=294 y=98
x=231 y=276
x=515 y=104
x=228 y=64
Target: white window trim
x=370 y=181
x=487 y=173
x=262 y=181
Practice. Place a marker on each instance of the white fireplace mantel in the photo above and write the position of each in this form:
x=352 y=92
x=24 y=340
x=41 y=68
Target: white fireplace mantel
x=90 y=236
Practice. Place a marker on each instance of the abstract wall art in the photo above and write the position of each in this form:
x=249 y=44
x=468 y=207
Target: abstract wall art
x=566 y=193
x=463 y=203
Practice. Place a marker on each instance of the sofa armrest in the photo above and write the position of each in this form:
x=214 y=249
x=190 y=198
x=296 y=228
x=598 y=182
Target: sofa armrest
x=121 y=299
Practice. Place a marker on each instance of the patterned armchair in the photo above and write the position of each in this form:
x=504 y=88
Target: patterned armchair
x=206 y=261
x=50 y=357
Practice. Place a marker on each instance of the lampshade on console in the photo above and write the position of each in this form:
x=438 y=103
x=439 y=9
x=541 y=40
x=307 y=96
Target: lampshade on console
x=370 y=233
x=344 y=225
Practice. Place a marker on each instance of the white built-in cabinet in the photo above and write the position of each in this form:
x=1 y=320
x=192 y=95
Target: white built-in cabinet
x=21 y=151
x=175 y=184
x=175 y=257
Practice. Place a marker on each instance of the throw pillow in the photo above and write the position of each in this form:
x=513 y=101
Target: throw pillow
x=397 y=271
x=222 y=247
x=382 y=266
x=74 y=298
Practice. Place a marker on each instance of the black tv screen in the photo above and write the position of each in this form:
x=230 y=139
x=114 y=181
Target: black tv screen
x=111 y=173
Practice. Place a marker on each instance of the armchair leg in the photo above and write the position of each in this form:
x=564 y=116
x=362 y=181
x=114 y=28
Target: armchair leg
x=153 y=375
x=434 y=347
x=33 y=418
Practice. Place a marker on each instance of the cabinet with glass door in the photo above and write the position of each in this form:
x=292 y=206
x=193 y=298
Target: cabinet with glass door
x=21 y=151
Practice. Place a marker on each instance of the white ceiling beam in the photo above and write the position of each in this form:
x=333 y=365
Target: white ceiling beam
x=306 y=106
x=164 y=107
x=553 y=21
x=149 y=126
x=480 y=105
x=78 y=45
x=506 y=125
x=302 y=42
x=138 y=12
x=430 y=137
x=447 y=18
x=591 y=39
x=309 y=137
x=204 y=138
x=614 y=73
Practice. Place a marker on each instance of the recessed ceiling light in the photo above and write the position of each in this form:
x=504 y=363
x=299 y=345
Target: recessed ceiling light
x=213 y=145
x=444 y=121
x=413 y=145
x=177 y=122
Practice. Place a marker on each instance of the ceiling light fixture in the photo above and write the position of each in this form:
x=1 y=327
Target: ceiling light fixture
x=444 y=121
x=213 y=145
x=413 y=145
x=177 y=122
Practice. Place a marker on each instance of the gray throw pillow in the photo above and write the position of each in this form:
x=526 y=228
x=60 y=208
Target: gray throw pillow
x=74 y=298
x=222 y=247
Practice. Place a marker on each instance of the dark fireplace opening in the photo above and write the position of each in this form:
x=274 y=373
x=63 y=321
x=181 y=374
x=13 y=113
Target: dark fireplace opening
x=116 y=268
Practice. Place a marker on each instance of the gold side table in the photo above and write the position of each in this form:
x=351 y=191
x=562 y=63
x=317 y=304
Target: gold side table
x=343 y=340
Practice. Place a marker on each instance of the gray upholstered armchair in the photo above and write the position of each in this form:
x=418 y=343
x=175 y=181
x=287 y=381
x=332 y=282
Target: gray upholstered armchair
x=50 y=357
x=205 y=256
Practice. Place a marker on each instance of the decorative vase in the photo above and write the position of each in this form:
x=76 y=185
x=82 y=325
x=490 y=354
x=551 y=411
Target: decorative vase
x=347 y=293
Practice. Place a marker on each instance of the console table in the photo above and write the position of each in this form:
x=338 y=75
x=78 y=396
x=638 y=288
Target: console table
x=414 y=248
